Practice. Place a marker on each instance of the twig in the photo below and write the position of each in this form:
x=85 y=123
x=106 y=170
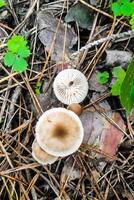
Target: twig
x=100 y=41
x=15 y=96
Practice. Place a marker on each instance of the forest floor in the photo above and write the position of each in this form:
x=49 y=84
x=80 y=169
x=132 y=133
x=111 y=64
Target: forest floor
x=90 y=39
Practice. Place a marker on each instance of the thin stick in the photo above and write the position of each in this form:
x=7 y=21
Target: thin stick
x=102 y=40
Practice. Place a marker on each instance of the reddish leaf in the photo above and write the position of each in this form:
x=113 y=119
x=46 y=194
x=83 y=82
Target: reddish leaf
x=112 y=136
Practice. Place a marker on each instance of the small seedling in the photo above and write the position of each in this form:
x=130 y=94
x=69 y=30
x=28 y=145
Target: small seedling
x=102 y=77
x=118 y=73
x=38 y=88
x=17 y=53
x=124 y=8
x=2 y=3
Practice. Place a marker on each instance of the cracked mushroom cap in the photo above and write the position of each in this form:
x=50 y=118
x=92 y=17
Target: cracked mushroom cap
x=59 y=132
x=41 y=156
x=70 y=86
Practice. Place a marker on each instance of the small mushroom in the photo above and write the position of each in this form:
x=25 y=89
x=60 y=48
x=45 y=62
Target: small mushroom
x=76 y=108
x=70 y=86
x=59 y=132
x=41 y=156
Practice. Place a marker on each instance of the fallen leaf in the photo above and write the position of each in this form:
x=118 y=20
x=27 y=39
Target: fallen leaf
x=111 y=136
x=65 y=36
x=100 y=132
x=81 y=14
x=94 y=123
x=116 y=57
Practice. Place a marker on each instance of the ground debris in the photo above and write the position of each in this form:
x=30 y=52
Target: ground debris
x=57 y=38
x=116 y=57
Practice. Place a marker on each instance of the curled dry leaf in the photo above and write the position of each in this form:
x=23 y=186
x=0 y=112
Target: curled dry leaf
x=63 y=35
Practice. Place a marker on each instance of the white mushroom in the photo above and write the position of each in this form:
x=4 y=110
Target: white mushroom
x=70 y=86
x=41 y=156
x=59 y=132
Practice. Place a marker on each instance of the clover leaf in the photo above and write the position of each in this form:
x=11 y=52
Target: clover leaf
x=102 y=77
x=20 y=64
x=17 y=52
x=116 y=9
x=9 y=59
x=15 y=43
x=124 y=8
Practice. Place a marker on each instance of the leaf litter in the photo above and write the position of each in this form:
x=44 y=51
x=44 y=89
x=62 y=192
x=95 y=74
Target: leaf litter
x=57 y=39
x=103 y=166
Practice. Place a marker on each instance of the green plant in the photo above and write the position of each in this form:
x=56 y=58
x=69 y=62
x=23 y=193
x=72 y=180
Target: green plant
x=124 y=8
x=119 y=74
x=17 y=53
x=2 y=3
x=102 y=77
x=127 y=88
x=38 y=88
x=132 y=22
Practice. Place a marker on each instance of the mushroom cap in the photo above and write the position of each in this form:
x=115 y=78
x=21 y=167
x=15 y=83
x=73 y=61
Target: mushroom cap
x=41 y=156
x=70 y=86
x=59 y=132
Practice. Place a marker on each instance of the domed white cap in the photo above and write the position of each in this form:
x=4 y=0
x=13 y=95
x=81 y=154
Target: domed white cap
x=70 y=86
x=41 y=156
x=59 y=132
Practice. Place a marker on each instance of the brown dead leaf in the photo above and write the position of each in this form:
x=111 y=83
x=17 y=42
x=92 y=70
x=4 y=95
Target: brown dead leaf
x=100 y=132
x=64 y=37
x=94 y=124
x=112 y=136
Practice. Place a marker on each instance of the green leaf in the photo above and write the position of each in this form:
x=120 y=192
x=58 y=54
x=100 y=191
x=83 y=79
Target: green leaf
x=23 y=51
x=20 y=65
x=116 y=8
x=132 y=22
x=2 y=3
x=115 y=89
x=102 y=77
x=127 y=9
x=38 y=88
x=118 y=73
x=9 y=59
x=132 y=93
x=127 y=88
x=81 y=14
x=123 y=1
x=15 y=43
